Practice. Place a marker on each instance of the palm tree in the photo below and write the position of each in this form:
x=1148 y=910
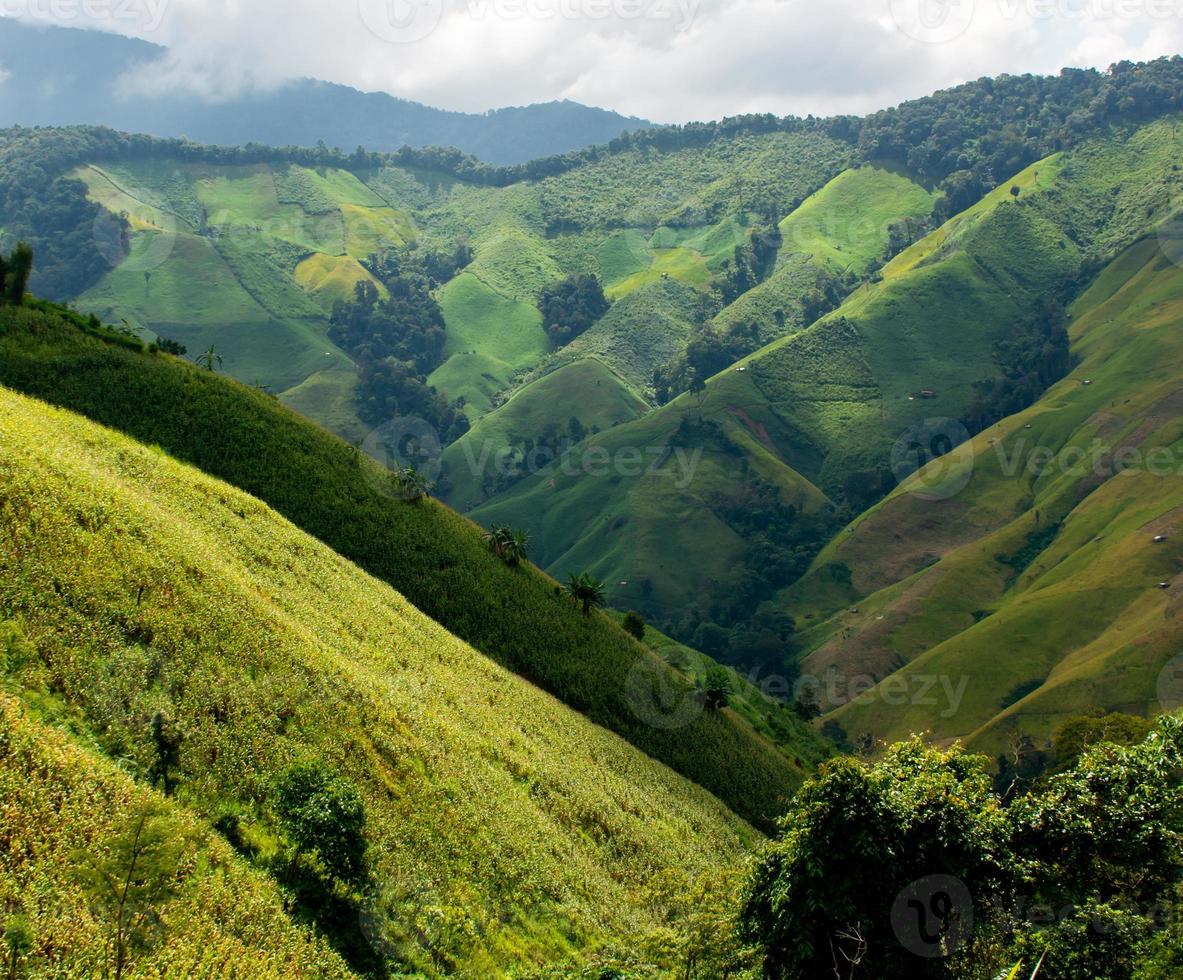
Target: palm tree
x=410 y=484
x=587 y=591
x=511 y=545
x=209 y=359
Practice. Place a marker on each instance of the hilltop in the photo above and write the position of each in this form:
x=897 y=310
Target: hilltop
x=92 y=70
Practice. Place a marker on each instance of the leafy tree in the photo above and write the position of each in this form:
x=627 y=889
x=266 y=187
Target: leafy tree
x=166 y=739
x=855 y=839
x=170 y=346
x=569 y=308
x=130 y=882
x=717 y=688
x=634 y=624
x=18 y=938
x=410 y=484
x=587 y=591
x=325 y=819
x=509 y=544
x=20 y=267
x=1072 y=738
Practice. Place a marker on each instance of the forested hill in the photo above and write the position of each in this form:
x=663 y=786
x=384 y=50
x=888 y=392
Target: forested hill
x=90 y=66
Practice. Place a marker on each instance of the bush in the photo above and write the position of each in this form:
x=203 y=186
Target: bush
x=634 y=625
x=323 y=815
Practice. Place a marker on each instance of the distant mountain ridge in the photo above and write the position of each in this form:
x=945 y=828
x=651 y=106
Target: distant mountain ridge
x=89 y=65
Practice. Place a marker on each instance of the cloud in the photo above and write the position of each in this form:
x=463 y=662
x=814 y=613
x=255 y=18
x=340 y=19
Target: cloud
x=667 y=60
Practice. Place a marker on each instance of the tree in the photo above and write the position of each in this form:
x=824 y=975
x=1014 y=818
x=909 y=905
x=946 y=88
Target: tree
x=410 y=484
x=209 y=359
x=634 y=624
x=166 y=744
x=20 y=268
x=509 y=544
x=717 y=688
x=325 y=819
x=861 y=841
x=169 y=346
x=18 y=938
x=569 y=308
x=131 y=881
x=587 y=591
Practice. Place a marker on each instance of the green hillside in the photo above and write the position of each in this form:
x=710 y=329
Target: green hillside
x=813 y=417
x=1036 y=584
x=63 y=800
x=435 y=558
x=503 y=828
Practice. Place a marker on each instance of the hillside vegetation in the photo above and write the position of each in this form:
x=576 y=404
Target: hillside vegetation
x=61 y=801
x=807 y=425
x=435 y=558
x=1037 y=585
x=502 y=827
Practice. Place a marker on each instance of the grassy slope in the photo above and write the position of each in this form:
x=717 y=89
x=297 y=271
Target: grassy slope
x=1080 y=619
x=59 y=799
x=435 y=558
x=844 y=225
x=490 y=338
x=585 y=390
x=285 y=244
x=145 y=585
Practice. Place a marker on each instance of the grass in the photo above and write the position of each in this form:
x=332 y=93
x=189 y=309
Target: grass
x=487 y=333
x=432 y=556
x=684 y=265
x=329 y=278
x=504 y=829
x=65 y=799
x=1082 y=616
x=845 y=224
x=585 y=390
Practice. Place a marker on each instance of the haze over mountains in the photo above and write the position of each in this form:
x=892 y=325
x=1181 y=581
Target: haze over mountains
x=87 y=87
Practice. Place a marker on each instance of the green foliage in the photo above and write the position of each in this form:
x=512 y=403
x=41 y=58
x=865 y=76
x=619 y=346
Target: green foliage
x=18 y=941
x=132 y=880
x=1075 y=736
x=1072 y=876
x=857 y=836
x=511 y=545
x=717 y=688
x=634 y=624
x=587 y=591
x=570 y=307
x=324 y=816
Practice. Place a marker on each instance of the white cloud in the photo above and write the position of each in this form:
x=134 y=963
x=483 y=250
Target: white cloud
x=668 y=60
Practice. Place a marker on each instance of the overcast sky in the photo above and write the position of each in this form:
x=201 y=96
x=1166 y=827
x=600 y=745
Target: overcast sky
x=665 y=60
